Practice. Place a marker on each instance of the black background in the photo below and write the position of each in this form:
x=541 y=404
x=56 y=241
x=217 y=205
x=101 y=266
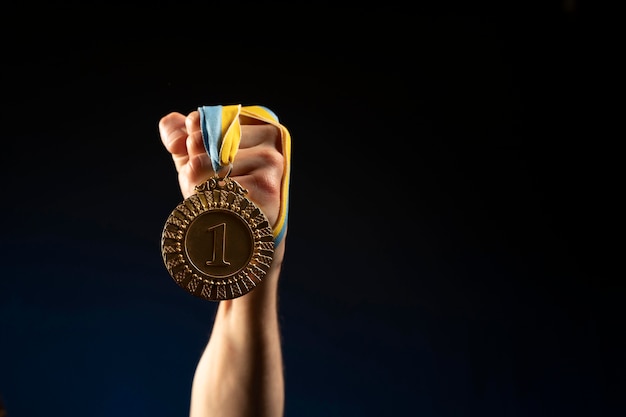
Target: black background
x=447 y=248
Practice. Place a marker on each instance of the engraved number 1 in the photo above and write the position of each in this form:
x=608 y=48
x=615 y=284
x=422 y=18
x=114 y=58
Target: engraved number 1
x=219 y=245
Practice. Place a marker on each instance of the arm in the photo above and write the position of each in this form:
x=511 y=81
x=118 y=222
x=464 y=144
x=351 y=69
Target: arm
x=240 y=372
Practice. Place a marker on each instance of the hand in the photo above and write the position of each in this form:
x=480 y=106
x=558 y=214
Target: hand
x=258 y=165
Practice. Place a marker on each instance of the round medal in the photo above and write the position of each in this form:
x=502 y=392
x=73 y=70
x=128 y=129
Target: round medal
x=217 y=244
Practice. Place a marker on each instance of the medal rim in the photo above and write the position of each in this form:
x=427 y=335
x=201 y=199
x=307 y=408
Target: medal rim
x=190 y=277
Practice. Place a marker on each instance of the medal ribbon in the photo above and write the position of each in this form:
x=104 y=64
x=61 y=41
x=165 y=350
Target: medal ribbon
x=221 y=134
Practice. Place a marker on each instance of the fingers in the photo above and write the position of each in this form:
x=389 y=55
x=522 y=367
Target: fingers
x=196 y=171
x=174 y=137
x=259 y=161
x=182 y=135
x=195 y=144
x=255 y=135
x=259 y=158
x=173 y=133
x=263 y=162
x=260 y=171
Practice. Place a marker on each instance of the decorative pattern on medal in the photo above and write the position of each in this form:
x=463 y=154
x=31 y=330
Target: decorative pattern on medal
x=217 y=244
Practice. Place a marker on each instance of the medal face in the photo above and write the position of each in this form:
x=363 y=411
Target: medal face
x=217 y=244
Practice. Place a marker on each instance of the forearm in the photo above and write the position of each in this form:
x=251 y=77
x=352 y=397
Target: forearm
x=240 y=372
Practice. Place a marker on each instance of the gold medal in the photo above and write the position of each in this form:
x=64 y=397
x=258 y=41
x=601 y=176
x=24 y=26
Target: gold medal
x=217 y=244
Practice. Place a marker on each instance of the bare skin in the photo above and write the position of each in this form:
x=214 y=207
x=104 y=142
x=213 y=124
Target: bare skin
x=240 y=372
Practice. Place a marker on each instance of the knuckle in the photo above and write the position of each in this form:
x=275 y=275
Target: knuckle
x=269 y=176
x=270 y=157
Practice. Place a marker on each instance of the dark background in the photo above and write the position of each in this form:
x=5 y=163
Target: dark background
x=449 y=211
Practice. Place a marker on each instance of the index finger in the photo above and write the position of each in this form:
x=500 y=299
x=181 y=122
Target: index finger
x=260 y=134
